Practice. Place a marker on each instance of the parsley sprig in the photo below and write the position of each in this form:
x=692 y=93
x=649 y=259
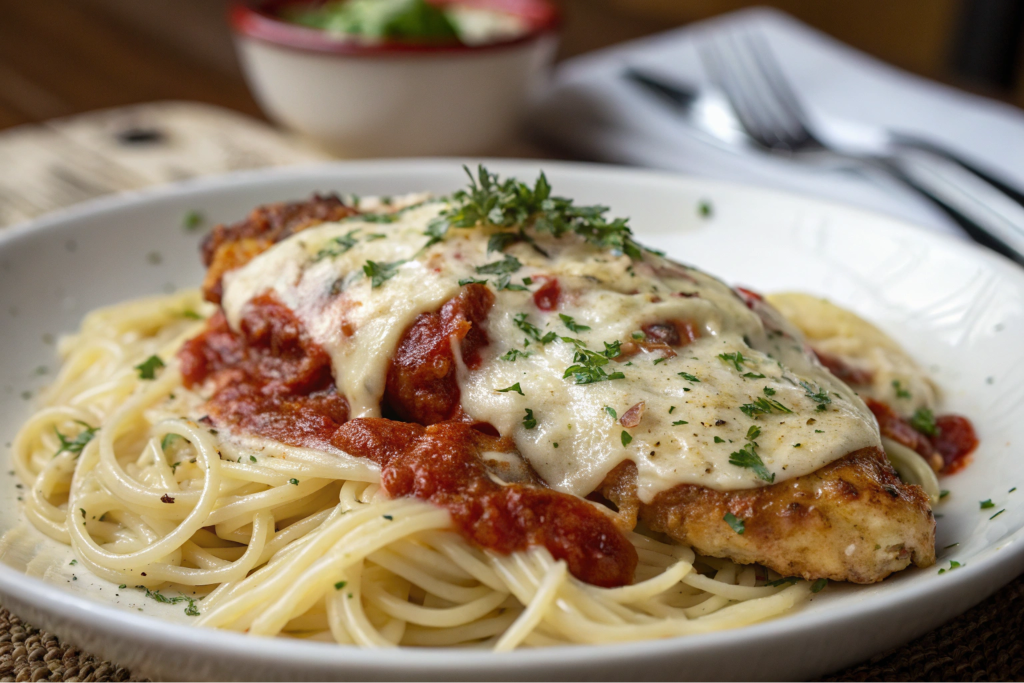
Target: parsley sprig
x=748 y=457
x=76 y=444
x=379 y=273
x=588 y=365
x=523 y=209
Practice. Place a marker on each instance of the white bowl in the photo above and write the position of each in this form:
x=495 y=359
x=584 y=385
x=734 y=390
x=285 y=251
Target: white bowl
x=958 y=309
x=391 y=99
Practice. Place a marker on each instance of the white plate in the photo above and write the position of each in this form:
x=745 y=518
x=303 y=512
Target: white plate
x=958 y=309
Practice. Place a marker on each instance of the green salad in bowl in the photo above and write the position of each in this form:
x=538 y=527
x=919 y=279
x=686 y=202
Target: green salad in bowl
x=408 y=21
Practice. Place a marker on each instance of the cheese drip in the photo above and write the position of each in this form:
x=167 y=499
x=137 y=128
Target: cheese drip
x=745 y=369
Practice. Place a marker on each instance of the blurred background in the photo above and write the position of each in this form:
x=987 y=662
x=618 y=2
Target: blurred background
x=62 y=57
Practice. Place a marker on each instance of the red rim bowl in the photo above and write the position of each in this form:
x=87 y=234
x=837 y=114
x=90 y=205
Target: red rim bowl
x=257 y=19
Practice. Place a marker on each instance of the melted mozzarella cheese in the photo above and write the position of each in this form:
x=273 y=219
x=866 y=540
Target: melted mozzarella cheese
x=698 y=406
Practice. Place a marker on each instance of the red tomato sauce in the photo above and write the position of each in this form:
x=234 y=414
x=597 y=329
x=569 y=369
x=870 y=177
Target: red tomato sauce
x=272 y=380
x=953 y=442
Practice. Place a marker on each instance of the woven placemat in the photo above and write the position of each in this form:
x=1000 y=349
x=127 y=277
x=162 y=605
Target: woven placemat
x=985 y=644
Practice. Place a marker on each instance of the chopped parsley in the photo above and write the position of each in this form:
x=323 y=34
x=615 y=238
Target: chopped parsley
x=532 y=331
x=943 y=493
x=735 y=522
x=820 y=397
x=660 y=360
x=748 y=457
x=901 y=392
x=191 y=220
x=515 y=387
x=588 y=366
x=513 y=354
x=379 y=273
x=680 y=422
x=768 y=391
x=337 y=246
x=785 y=581
x=529 y=421
x=147 y=368
x=515 y=205
x=471 y=281
x=504 y=282
x=735 y=359
x=78 y=443
x=719 y=439
x=293 y=482
x=627 y=438
x=763 y=406
x=168 y=440
x=388 y=517
x=924 y=422
x=611 y=411
x=819 y=585
x=574 y=326
x=187 y=313
x=341 y=584
x=997 y=514
x=986 y=504
x=705 y=209
x=688 y=377
x=953 y=564
x=507 y=265
x=191 y=610
x=752 y=375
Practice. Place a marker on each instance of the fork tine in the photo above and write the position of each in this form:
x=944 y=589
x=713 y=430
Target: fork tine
x=794 y=117
x=724 y=76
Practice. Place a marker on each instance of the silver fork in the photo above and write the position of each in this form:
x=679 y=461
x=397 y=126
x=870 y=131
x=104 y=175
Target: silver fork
x=744 y=68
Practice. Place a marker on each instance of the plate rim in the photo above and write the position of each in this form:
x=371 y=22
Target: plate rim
x=990 y=572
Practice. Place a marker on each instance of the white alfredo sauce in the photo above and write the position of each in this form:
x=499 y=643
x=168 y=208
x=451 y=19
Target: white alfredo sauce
x=690 y=428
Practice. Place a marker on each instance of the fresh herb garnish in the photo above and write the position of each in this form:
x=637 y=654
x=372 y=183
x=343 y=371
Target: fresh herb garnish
x=611 y=411
x=507 y=265
x=147 y=368
x=471 y=281
x=820 y=397
x=529 y=421
x=768 y=391
x=380 y=272
x=737 y=524
x=293 y=482
x=748 y=457
x=735 y=359
x=986 y=504
x=341 y=584
x=788 y=580
x=819 y=585
x=513 y=354
x=191 y=220
x=719 y=439
x=626 y=438
x=532 y=330
x=505 y=282
x=762 y=406
x=572 y=324
x=901 y=392
x=688 y=377
x=680 y=422
x=515 y=387
x=168 y=440
x=752 y=375
x=191 y=610
x=943 y=493
x=997 y=514
x=924 y=422
x=512 y=204
x=588 y=366
x=78 y=443
x=337 y=246
x=953 y=564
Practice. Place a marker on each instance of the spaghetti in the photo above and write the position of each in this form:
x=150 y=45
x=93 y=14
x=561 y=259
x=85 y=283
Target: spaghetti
x=281 y=540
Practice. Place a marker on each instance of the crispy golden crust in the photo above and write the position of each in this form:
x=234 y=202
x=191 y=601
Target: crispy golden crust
x=852 y=520
x=232 y=246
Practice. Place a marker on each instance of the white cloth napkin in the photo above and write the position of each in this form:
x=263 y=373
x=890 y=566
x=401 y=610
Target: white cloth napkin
x=593 y=111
